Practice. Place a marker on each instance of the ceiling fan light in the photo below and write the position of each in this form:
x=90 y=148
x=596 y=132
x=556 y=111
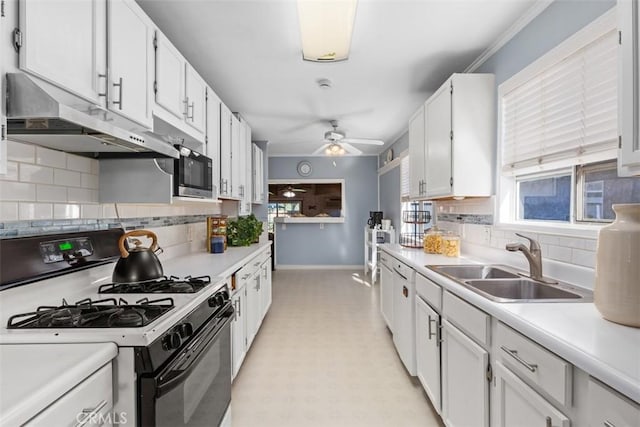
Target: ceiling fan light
x=289 y=194
x=326 y=28
x=334 y=150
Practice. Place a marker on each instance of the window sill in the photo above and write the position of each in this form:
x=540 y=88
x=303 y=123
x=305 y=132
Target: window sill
x=585 y=231
x=309 y=220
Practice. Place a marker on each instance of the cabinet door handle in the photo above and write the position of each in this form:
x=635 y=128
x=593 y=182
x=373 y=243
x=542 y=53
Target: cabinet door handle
x=192 y=107
x=608 y=423
x=236 y=305
x=433 y=334
x=119 y=101
x=90 y=413
x=548 y=424
x=514 y=354
x=106 y=86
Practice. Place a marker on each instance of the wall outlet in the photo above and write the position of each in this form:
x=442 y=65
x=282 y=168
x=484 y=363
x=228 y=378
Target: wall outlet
x=486 y=235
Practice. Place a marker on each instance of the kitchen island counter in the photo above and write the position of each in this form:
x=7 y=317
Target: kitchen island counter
x=36 y=375
x=575 y=331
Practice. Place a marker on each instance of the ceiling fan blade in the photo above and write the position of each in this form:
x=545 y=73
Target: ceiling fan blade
x=350 y=148
x=321 y=149
x=364 y=141
x=299 y=190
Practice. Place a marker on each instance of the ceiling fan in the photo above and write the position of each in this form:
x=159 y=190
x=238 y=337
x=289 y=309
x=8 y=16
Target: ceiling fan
x=337 y=144
x=289 y=191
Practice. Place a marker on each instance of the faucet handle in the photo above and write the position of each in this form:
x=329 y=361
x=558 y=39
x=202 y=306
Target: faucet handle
x=533 y=244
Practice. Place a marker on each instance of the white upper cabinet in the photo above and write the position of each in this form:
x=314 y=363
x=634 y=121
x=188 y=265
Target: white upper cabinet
x=460 y=137
x=196 y=90
x=417 y=188
x=64 y=43
x=629 y=88
x=180 y=92
x=169 y=77
x=438 y=147
x=237 y=174
x=3 y=113
x=212 y=140
x=225 y=151
x=130 y=60
x=257 y=156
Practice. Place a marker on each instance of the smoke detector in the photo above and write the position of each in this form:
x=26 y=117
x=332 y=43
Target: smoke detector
x=324 y=83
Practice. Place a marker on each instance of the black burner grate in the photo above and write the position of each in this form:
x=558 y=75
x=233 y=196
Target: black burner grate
x=164 y=285
x=105 y=313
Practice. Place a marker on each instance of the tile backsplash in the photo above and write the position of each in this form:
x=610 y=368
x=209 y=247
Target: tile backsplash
x=473 y=220
x=43 y=184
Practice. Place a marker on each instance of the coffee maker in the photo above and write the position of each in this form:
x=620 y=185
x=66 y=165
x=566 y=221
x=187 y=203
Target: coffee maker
x=375 y=219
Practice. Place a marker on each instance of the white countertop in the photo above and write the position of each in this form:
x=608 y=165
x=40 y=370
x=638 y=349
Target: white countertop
x=36 y=375
x=574 y=331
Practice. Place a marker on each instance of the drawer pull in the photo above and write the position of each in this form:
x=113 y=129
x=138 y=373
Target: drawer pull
x=90 y=413
x=608 y=423
x=549 y=422
x=514 y=354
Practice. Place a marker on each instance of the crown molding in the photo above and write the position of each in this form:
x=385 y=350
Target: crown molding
x=504 y=38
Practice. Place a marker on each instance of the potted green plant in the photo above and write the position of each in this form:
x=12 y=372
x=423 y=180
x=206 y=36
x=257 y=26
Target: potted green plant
x=244 y=231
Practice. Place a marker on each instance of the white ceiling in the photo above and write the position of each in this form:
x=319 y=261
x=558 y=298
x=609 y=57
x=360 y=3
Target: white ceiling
x=249 y=52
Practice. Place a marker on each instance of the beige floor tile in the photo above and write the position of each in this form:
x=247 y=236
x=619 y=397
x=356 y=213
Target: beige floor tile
x=324 y=357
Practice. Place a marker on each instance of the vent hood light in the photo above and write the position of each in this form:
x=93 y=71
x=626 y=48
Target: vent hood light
x=326 y=28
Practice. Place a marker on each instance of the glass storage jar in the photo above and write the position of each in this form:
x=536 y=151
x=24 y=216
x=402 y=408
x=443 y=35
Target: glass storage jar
x=451 y=244
x=432 y=243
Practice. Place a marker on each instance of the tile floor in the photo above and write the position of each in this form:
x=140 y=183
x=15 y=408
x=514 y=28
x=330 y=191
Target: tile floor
x=324 y=357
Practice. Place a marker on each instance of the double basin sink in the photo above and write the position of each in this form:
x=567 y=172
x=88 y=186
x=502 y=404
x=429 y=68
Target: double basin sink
x=501 y=284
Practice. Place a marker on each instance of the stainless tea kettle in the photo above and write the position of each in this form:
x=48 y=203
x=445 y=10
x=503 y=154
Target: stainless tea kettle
x=140 y=263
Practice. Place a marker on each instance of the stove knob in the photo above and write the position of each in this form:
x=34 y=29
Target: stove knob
x=225 y=295
x=216 y=301
x=171 y=341
x=185 y=330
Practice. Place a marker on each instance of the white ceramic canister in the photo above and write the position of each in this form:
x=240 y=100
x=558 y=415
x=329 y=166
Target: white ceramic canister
x=617 y=286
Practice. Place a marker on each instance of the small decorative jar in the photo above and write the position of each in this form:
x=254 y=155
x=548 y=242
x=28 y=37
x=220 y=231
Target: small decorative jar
x=432 y=243
x=451 y=245
x=617 y=284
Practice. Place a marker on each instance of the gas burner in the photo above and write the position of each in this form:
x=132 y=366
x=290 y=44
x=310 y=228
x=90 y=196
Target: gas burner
x=106 y=313
x=163 y=285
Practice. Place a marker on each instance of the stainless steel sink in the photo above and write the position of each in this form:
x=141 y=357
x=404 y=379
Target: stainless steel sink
x=523 y=290
x=502 y=284
x=466 y=272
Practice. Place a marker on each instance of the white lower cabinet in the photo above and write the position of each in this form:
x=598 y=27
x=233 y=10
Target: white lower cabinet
x=607 y=408
x=428 y=350
x=517 y=404
x=238 y=330
x=386 y=291
x=88 y=403
x=265 y=286
x=251 y=301
x=465 y=389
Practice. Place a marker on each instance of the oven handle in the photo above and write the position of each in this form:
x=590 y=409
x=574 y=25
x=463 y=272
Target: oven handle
x=165 y=386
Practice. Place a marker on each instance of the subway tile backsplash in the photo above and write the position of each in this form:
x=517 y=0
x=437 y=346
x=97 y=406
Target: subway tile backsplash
x=46 y=190
x=473 y=220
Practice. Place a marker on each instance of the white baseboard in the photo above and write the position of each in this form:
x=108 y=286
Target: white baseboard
x=319 y=267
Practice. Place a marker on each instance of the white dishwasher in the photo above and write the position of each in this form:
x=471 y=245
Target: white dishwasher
x=404 y=314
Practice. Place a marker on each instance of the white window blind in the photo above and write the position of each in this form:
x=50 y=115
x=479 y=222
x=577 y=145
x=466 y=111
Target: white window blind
x=405 y=179
x=566 y=114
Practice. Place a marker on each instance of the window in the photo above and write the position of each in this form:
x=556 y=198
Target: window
x=282 y=209
x=559 y=134
x=599 y=187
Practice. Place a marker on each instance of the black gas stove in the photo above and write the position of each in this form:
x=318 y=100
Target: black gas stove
x=105 y=313
x=163 y=285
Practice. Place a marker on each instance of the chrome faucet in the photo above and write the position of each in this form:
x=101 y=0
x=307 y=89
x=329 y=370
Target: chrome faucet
x=533 y=255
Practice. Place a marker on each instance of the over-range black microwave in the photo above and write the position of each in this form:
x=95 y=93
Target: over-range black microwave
x=192 y=173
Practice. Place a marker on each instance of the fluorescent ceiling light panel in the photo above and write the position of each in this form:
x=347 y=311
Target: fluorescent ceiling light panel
x=326 y=27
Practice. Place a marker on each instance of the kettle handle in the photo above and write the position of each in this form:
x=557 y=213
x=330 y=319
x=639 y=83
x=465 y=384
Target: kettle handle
x=137 y=233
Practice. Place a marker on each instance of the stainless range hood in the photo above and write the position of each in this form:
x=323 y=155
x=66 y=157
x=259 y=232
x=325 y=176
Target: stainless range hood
x=64 y=122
